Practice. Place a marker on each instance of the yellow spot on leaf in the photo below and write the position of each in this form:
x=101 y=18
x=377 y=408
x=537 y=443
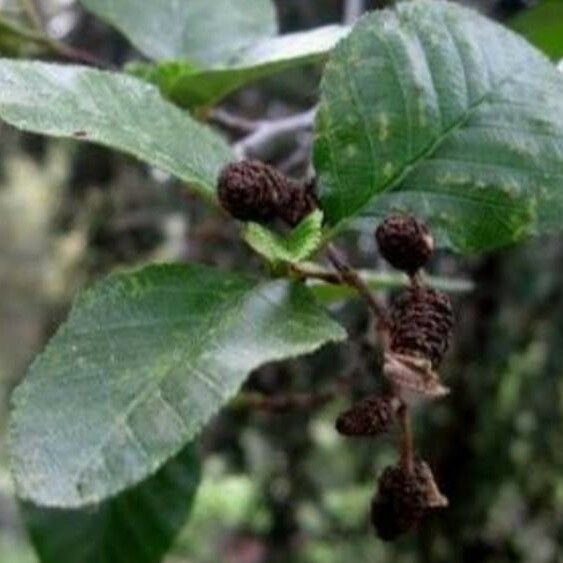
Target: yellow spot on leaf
x=351 y=151
x=383 y=123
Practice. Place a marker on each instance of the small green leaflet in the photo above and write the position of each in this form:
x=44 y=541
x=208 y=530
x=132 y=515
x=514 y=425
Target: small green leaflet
x=303 y=241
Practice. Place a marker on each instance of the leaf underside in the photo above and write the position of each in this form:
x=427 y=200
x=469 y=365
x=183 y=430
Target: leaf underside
x=144 y=360
x=114 y=110
x=138 y=525
x=191 y=87
x=199 y=31
x=434 y=109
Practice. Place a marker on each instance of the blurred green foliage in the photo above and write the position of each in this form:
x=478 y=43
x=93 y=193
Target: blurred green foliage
x=542 y=25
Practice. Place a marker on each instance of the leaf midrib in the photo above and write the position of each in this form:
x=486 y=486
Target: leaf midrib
x=427 y=152
x=410 y=165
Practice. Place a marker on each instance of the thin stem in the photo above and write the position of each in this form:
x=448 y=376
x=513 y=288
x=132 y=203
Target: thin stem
x=55 y=47
x=350 y=277
x=305 y=271
x=407 y=442
x=373 y=279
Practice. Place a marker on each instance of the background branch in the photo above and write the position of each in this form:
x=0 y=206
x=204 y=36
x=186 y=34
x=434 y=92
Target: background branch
x=233 y=121
x=353 y=9
x=53 y=46
x=269 y=132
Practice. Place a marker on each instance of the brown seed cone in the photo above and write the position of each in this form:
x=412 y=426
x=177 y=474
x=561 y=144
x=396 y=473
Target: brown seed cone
x=403 y=499
x=251 y=190
x=403 y=495
x=299 y=201
x=421 y=324
x=371 y=416
x=404 y=242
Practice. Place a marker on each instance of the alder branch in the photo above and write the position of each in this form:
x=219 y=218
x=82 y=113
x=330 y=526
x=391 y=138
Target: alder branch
x=350 y=277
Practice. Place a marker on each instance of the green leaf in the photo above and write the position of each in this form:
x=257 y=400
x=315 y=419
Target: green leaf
x=445 y=114
x=542 y=25
x=189 y=87
x=143 y=362
x=138 y=525
x=201 y=31
x=115 y=110
x=297 y=246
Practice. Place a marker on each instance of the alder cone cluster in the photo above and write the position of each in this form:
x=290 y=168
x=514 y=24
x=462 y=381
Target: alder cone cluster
x=251 y=190
x=421 y=324
x=404 y=242
x=371 y=416
x=401 y=501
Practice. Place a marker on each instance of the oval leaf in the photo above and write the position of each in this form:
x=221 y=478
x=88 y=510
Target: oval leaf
x=451 y=116
x=115 y=110
x=138 y=525
x=190 y=87
x=143 y=362
x=195 y=30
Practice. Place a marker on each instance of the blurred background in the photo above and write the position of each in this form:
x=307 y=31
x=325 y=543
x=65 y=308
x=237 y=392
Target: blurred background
x=286 y=488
